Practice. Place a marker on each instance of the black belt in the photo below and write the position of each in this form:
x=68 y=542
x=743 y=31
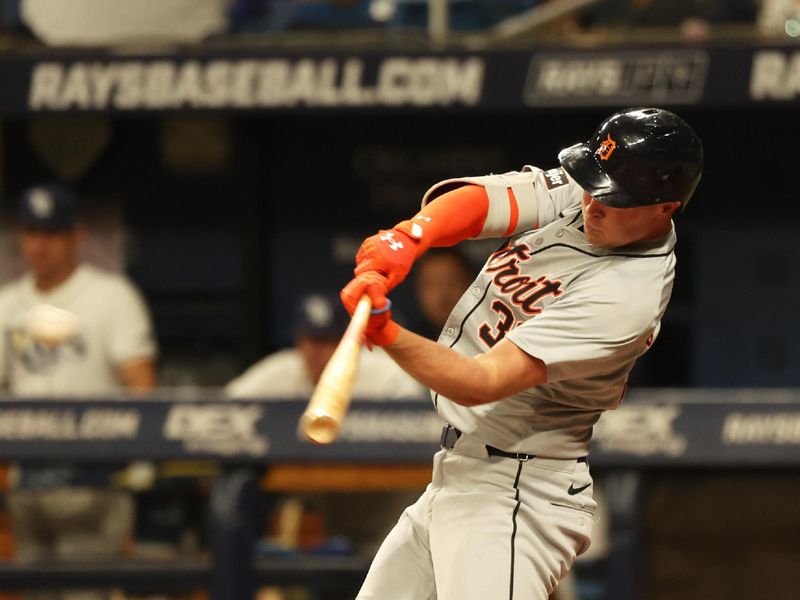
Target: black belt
x=450 y=434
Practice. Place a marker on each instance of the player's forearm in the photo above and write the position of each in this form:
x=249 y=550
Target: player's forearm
x=453 y=217
x=465 y=380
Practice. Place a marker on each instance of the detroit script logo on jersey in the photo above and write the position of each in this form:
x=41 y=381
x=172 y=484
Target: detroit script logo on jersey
x=522 y=291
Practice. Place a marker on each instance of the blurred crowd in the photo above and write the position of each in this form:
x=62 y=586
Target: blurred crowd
x=98 y=22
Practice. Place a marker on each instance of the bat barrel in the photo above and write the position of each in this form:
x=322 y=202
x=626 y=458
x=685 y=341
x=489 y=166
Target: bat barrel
x=319 y=427
x=328 y=404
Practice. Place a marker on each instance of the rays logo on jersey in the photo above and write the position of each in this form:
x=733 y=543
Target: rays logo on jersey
x=523 y=291
x=37 y=357
x=555 y=178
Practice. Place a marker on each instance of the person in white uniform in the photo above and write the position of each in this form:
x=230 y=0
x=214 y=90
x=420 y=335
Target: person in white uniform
x=536 y=349
x=113 y=349
x=319 y=323
x=61 y=511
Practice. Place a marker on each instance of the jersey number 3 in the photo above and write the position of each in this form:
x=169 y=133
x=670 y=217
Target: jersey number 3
x=491 y=336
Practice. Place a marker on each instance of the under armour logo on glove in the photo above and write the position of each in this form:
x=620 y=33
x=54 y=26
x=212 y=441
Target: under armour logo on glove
x=388 y=252
x=393 y=243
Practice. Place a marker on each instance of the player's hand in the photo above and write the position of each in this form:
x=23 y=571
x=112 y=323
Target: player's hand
x=390 y=253
x=381 y=330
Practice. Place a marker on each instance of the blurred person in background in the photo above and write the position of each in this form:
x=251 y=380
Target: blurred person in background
x=319 y=323
x=441 y=277
x=64 y=512
x=98 y=22
x=779 y=18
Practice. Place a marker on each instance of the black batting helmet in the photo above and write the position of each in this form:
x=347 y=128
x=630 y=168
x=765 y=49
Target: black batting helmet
x=638 y=157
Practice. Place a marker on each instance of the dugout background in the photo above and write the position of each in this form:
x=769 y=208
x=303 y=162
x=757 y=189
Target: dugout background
x=229 y=218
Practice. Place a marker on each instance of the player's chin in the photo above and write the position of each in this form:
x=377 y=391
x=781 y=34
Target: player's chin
x=595 y=237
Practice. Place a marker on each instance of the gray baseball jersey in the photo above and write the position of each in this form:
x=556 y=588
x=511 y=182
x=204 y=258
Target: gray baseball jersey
x=588 y=313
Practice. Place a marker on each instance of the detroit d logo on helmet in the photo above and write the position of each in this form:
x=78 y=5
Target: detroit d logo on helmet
x=606 y=148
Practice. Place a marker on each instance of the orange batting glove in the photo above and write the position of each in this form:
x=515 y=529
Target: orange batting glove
x=389 y=252
x=381 y=330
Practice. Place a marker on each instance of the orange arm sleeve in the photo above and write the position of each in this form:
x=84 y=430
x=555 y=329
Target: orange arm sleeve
x=451 y=218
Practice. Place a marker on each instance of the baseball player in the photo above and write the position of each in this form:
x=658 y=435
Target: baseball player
x=536 y=349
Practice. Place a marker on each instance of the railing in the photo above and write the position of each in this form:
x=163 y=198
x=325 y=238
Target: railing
x=654 y=427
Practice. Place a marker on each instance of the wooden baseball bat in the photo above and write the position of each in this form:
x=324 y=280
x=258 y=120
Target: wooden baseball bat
x=328 y=405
